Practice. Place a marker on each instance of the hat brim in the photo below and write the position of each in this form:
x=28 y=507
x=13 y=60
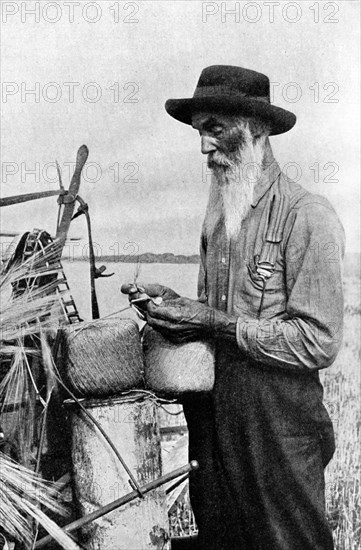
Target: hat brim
x=281 y=120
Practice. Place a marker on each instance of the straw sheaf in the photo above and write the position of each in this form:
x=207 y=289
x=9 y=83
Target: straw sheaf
x=177 y=368
x=25 y=312
x=21 y=314
x=102 y=358
x=22 y=494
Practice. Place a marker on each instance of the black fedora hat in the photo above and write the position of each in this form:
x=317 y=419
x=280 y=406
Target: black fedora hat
x=232 y=90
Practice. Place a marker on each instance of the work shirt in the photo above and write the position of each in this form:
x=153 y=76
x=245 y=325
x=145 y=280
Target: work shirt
x=300 y=324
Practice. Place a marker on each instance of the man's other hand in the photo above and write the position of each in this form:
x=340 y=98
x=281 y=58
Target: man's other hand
x=185 y=320
x=181 y=319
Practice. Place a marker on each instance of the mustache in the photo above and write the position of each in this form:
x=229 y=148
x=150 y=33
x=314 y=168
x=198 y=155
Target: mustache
x=217 y=159
x=233 y=142
x=229 y=150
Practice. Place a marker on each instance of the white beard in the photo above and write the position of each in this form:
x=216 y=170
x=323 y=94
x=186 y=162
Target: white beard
x=232 y=185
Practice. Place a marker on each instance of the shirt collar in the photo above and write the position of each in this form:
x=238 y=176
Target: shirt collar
x=270 y=173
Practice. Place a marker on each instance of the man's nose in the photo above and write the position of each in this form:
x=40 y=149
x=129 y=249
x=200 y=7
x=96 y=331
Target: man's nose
x=208 y=144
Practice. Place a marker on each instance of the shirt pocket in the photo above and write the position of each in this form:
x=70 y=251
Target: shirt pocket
x=256 y=280
x=273 y=290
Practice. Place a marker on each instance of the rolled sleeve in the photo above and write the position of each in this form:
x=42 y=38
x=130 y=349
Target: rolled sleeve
x=310 y=334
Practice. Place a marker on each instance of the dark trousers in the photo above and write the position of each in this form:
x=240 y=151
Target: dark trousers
x=260 y=484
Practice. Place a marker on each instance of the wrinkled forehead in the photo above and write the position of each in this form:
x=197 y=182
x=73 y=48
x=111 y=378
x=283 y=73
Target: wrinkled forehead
x=201 y=120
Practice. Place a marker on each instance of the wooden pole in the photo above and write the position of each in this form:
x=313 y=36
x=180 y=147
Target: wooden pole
x=16 y=199
x=64 y=223
x=99 y=478
x=193 y=465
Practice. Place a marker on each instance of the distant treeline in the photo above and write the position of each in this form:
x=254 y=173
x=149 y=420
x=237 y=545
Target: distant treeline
x=151 y=258
x=351 y=261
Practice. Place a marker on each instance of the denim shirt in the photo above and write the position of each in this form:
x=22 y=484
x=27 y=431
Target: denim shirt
x=300 y=323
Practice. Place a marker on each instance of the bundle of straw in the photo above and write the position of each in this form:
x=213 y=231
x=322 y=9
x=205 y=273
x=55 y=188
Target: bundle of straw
x=102 y=357
x=21 y=312
x=24 y=317
x=174 y=369
x=30 y=305
x=22 y=493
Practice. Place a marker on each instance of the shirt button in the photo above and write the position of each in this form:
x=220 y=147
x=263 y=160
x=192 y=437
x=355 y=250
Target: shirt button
x=223 y=260
x=223 y=298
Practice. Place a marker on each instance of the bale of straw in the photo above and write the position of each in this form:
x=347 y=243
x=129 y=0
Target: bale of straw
x=175 y=369
x=102 y=358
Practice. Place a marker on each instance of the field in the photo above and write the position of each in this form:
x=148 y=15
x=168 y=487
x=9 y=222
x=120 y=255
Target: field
x=343 y=400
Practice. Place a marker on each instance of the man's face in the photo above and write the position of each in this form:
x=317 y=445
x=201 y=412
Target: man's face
x=235 y=157
x=222 y=138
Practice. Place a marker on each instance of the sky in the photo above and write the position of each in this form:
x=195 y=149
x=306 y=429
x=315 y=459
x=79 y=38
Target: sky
x=99 y=73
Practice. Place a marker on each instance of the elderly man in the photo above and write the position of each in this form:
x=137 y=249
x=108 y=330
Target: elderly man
x=270 y=297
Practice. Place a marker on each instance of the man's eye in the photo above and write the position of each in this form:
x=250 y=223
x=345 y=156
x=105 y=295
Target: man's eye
x=217 y=130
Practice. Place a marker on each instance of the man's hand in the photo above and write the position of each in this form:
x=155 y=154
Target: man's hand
x=152 y=290
x=185 y=320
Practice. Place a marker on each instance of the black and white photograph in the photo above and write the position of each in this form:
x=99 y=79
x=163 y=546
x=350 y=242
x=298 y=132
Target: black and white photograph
x=180 y=275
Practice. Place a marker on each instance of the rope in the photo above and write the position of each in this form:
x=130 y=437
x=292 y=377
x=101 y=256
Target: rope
x=115 y=312
x=171 y=413
x=151 y=395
